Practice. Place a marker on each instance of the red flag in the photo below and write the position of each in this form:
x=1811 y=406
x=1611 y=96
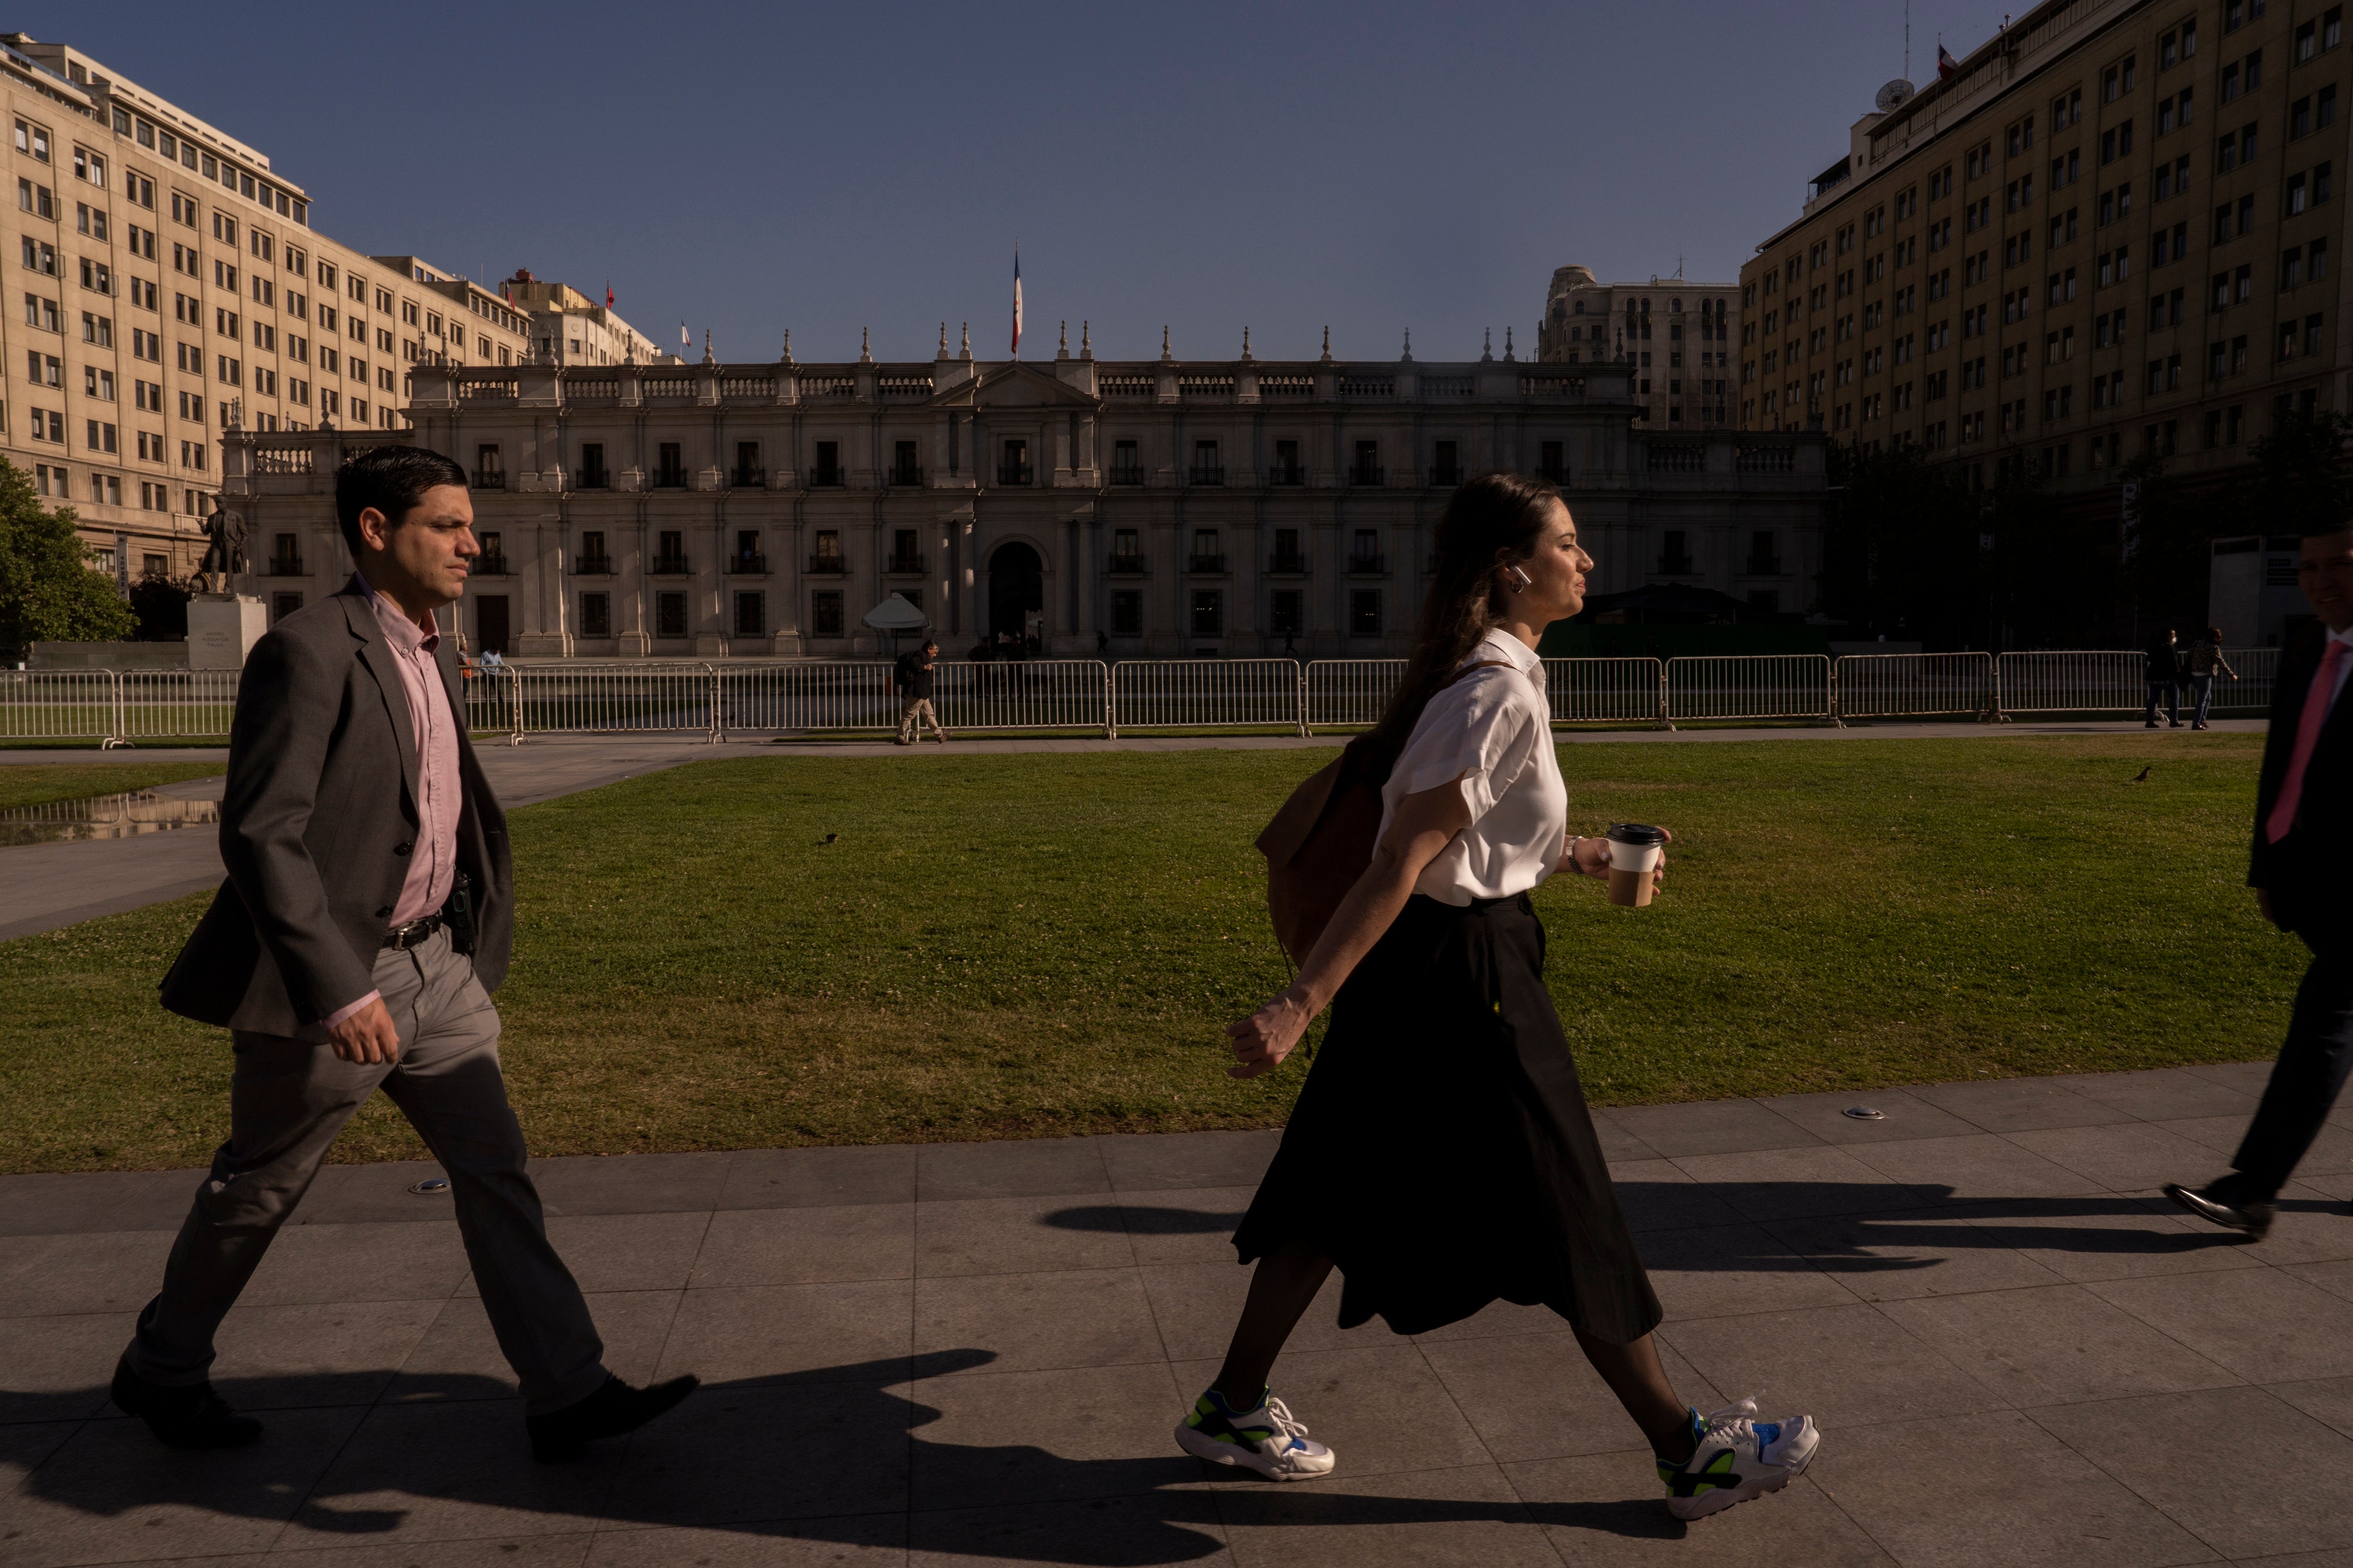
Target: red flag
x=608 y=293
x=1016 y=299
x=1945 y=64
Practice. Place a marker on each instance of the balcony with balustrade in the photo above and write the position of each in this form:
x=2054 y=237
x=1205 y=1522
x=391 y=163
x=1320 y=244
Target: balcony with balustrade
x=747 y=563
x=828 y=565
x=1204 y=565
x=903 y=564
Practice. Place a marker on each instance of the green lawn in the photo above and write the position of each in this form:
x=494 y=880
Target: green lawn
x=40 y=783
x=1040 y=945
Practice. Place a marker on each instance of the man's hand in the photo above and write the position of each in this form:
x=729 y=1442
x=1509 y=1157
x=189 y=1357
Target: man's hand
x=2264 y=903
x=1266 y=1036
x=367 y=1037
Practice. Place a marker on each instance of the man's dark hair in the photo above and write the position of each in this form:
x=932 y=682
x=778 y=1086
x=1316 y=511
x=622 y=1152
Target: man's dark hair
x=930 y=645
x=392 y=479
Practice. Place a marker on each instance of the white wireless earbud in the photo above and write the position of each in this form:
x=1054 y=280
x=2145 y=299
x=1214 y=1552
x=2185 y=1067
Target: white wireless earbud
x=1520 y=580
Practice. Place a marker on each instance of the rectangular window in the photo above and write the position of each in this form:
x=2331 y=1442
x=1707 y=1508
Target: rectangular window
x=1283 y=618
x=670 y=615
x=1208 y=618
x=1364 y=613
x=1126 y=612
x=751 y=614
x=595 y=615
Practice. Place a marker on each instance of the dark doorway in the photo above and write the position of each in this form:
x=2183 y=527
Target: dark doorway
x=490 y=623
x=1017 y=588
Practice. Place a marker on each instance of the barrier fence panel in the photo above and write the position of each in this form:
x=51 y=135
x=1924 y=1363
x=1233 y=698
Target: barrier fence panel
x=632 y=698
x=175 y=704
x=1205 y=694
x=490 y=692
x=1915 y=685
x=806 y=694
x=1749 y=686
x=58 y=704
x=1603 y=691
x=1023 y=694
x=2248 y=697
x=2071 y=682
x=1349 y=693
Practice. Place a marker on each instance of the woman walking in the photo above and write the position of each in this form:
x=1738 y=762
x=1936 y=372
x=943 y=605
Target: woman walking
x=2205 y=658
x=1440 y=1155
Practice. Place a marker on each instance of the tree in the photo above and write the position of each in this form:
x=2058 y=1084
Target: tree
x=47 y=590
x=1900 y=547
x=2299 y=481
x=160 y=603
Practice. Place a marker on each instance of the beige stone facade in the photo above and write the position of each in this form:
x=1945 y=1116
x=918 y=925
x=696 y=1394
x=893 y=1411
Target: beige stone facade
x=2118 y=230
x=165 y=285
x=1137 y=508
x=569 y=328
x=1674 y=335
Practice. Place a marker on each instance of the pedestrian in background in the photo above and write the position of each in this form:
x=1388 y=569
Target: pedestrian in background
x=2205 y=658
x=2301 y=871
x=915 y=695
x=2163 y=676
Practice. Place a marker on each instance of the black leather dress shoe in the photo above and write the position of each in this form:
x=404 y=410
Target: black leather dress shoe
x=190 y=1417
x=561 y=1436
x=2255 y=1219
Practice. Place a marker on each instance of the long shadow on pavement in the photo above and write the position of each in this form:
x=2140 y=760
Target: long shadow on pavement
x=832 y=1455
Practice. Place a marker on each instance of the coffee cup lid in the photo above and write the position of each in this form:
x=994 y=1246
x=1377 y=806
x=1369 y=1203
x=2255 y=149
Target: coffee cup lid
x=1637 y=833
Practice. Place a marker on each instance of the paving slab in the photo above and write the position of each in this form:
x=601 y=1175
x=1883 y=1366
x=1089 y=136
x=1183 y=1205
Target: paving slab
x=977 y=1351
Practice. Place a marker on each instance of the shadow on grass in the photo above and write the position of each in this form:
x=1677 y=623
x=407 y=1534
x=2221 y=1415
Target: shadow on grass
x=834 y=1457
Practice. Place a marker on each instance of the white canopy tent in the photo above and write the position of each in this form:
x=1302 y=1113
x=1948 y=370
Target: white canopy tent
x=894 y=616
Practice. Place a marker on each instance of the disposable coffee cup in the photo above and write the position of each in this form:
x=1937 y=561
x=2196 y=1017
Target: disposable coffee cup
x=1634 y=851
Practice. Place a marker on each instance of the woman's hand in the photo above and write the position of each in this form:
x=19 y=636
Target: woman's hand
x=1590 y=858
x=1261 y=1041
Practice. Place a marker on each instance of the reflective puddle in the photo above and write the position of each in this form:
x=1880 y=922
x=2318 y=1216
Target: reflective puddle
x=106 y=816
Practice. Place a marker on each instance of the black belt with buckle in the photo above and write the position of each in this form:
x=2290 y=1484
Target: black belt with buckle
x=402 y=938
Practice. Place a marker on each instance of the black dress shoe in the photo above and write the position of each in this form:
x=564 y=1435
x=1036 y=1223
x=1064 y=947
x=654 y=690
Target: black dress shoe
x=190 y=1417
x=564 y=1434
x=2255 y=1219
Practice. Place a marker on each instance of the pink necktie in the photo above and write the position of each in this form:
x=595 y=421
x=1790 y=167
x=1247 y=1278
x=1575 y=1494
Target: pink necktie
x=2307 y=735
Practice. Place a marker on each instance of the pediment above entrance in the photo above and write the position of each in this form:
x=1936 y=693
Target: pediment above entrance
x=1015 y=385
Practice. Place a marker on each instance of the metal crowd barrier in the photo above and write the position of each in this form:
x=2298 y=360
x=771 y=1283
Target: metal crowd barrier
x=2089 y=682
x=59 y=705
x=1751 y=686
x=1206 y=694
x=119 y=708
x=1916 y=686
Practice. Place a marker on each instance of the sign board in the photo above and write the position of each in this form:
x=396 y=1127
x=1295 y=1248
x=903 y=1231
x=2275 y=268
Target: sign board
x=122 y=564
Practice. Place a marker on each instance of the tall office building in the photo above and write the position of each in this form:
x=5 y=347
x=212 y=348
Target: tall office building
x=1679 y=353
x=166 y=286
x=2112 y=232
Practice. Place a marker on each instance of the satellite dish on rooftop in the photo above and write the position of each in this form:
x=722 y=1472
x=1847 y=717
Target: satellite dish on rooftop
x=1894 y=95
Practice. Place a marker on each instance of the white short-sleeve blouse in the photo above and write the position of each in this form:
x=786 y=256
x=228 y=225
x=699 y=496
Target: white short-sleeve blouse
x=1492 y=730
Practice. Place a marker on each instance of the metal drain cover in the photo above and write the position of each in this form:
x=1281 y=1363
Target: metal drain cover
x=1864 y=1114
x=434 y=1187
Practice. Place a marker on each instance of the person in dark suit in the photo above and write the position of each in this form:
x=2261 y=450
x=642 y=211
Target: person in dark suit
x=368 y=914
x=2162 y=676
x=2302 y=872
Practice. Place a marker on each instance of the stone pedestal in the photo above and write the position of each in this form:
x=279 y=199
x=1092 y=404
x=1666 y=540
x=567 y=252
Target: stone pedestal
x=223 y=628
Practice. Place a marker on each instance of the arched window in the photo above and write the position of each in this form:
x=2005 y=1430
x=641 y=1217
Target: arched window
x=1675 y=307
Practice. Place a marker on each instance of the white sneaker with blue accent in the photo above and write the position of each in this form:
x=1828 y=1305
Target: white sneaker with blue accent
x=1736 y=1458
x=1267 y=1439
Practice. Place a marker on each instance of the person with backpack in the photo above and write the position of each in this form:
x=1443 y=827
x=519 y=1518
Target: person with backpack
x=1440 y=1155
x=2205 y=660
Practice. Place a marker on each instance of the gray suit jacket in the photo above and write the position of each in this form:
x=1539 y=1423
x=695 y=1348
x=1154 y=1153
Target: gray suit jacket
x=318 y=820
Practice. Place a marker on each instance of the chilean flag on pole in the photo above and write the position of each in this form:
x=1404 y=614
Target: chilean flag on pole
x=1945 y=64
x=1017 y=301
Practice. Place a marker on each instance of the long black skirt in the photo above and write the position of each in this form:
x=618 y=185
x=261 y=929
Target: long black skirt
x=1440 y=1154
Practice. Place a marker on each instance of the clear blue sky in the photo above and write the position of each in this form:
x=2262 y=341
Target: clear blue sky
x=749 y=168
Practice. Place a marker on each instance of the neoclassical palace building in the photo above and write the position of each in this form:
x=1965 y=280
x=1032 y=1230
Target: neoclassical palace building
x=1146 y=508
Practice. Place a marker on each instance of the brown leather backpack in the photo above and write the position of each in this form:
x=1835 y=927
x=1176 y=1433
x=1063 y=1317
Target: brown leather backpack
x=1322 y=841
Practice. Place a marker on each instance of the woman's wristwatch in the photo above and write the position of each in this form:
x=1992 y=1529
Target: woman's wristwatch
x=1570 y=853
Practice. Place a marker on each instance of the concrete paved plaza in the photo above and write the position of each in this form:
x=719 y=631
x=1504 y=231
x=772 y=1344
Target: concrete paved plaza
x=2018 y=1352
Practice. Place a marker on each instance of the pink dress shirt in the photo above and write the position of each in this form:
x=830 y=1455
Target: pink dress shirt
x=433 y=862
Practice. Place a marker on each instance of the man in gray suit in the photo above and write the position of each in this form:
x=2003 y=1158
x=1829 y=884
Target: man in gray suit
x=369 y=912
